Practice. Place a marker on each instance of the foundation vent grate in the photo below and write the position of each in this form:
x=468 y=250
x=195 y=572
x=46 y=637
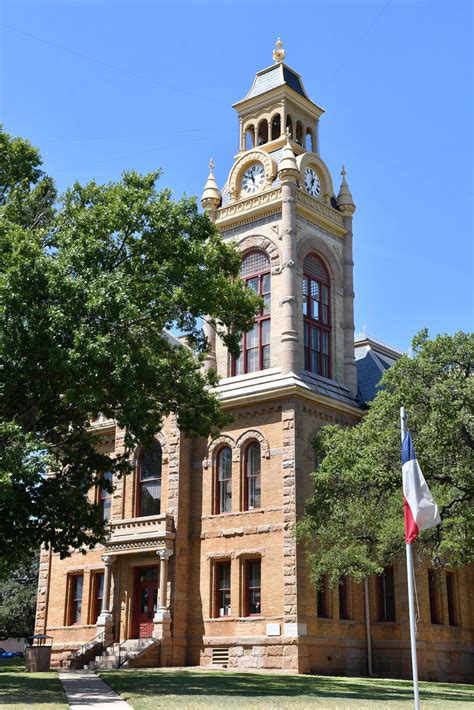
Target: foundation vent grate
x=220 y=657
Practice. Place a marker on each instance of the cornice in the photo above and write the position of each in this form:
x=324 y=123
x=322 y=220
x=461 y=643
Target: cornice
x=273 y=387
x=320 y=214
x=250 y=208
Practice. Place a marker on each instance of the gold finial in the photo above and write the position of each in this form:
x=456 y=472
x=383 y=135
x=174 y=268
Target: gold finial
x=343 y=173
x=211 y=165
x=278 y=52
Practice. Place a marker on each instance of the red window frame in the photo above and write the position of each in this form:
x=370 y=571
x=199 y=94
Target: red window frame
x=317 y=316
x=262 y=322
x=143 y=481
x=221 y=499
x=222 y=589
x=252 y=479
x=74 y=612
x=253 y=587
x=97 y=595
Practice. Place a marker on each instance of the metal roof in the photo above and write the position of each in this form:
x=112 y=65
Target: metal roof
x=276 y=75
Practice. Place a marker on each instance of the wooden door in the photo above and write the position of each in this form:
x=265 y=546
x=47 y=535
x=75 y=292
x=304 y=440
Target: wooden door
x=146 y=598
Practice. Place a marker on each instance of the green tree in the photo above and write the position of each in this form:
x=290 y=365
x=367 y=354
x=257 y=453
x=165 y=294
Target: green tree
x=354 y=522
x=88 y=284
x=18 y=600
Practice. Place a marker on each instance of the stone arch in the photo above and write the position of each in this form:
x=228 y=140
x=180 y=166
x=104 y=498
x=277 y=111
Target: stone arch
x=311 y=243
x=254 y=435
x=218 y=443
x=242 y=163
x=311 y=159
x=259 y=242
x=163 y=442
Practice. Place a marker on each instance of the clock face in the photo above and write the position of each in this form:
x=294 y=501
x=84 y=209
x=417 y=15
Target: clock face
x=311 y=182
x=253 y=179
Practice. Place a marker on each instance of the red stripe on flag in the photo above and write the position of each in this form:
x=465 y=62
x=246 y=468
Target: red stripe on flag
x=411 y=528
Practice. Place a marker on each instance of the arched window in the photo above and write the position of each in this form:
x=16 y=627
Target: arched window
x=224 y=481
x=316 y=311
x=252 y=480
x=299 y=132
x=249 y=137
x=262 y=134
x=255 y=346
x=289 y=125
x=309 y=140
x=149 y=480
x=276 y=126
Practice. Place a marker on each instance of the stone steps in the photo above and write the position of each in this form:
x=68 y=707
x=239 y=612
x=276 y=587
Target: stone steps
x=120 y=653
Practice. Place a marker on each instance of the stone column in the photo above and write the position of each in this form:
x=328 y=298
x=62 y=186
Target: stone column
x=105 y=622
x=288 y=174
x=162 y=618
x=350 y=371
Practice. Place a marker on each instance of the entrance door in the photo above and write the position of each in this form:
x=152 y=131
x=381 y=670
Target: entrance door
x=146 y=596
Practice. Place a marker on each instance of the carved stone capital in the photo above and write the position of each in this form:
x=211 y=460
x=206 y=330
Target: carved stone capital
x=164 y=554
x=108 y=560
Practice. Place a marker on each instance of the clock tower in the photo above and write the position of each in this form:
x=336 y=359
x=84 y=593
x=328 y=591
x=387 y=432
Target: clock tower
x=278 y=200
x=296 y=371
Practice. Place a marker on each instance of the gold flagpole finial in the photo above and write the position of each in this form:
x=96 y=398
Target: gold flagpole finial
x=278 y=52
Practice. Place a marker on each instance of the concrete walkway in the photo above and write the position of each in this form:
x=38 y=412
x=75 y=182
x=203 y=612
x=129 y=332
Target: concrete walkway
x=84 y=690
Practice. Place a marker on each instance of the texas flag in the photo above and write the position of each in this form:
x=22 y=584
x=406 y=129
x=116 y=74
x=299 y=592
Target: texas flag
x=421 y=512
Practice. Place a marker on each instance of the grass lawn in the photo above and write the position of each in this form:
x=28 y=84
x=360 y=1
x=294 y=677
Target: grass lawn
x=147 y=689
x=21 y=690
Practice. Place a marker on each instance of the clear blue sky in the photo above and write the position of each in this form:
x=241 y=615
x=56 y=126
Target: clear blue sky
x=101 y=87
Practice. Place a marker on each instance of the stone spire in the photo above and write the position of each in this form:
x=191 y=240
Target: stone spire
x=278 y=52
x=344 y=198
x=211 y=196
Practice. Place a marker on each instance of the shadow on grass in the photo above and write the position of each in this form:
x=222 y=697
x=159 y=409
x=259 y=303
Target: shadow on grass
x=18 y=687
x=147 y=683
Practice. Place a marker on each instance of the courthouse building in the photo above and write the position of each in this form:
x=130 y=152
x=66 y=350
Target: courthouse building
x=202 y=566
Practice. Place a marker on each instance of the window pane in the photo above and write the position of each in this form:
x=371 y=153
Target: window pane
x=266 y=283
x=314 y=362
x=306 y=335
x=225 y=464
x=266 y=304
x=315 y=309
x=325 y=342
x=325 y=314
x=253 y=284
x=313 y=266
x=266 y=357
x=226 y=496
x=266 y=332
x=151 y=462
x=252 y=360
x=254 y=263
x=325 y=295
x=253 y=459
x=150 y=502
x=315 y=339
x=314 y=289
x=252 y=337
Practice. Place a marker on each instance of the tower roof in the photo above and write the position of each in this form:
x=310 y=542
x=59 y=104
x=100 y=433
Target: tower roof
x=276 y=75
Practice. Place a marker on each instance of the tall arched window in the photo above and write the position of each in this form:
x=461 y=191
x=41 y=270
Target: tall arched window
x=224 y=481
x=316 y=311
x=149 y=480
x=289 y=125
x=299 y=132
x=249 y=137
x=252 y=480
x=255 y=355
x=105 y=498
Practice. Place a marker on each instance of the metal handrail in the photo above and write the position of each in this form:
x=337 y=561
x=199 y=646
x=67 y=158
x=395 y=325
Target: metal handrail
x=82 y=648
x=119 y=662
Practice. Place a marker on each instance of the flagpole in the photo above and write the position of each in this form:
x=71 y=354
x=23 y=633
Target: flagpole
x=411 y=596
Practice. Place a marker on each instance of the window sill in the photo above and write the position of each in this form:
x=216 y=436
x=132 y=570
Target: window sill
x=236 y=618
